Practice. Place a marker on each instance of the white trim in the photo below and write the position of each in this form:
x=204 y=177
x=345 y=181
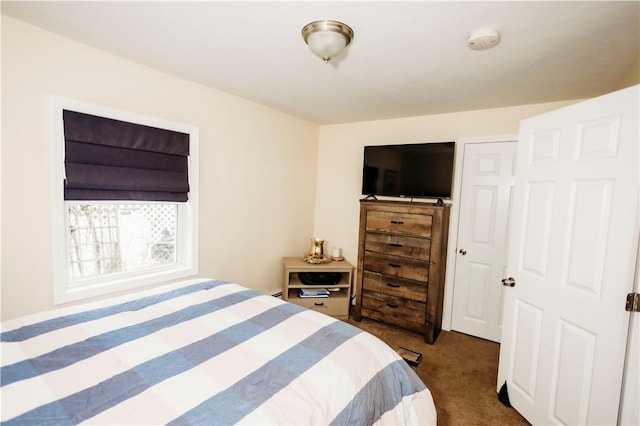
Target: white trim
x=188 y=221
x=447 y=308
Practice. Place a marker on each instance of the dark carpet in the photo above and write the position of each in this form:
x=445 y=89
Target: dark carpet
x=461 y=372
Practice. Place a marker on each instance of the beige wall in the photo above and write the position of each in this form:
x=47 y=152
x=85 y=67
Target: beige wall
x=341 y=151
x=257 y=165
x=632 y=75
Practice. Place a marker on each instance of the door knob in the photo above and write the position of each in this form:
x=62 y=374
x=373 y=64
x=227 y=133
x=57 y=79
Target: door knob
x=509 y=282
x=462 y=252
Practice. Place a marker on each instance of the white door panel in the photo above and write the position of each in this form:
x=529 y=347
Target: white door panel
x=485 y=200
x=572 y=252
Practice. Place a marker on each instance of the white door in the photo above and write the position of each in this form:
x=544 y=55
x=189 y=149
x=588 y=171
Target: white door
x=485 y=200
x=572 y=253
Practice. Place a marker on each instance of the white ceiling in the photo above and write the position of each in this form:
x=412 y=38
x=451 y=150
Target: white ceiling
x=406 y=59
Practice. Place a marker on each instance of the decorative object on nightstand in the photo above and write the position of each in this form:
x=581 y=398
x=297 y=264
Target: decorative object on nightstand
x=322 y=287
x=316 y=252
x=336 y=254
x=401 y=264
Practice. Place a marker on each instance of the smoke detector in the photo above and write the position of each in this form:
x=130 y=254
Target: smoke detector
x=483 y=38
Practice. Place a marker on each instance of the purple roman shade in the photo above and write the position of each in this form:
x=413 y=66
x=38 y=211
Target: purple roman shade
x=108 y=159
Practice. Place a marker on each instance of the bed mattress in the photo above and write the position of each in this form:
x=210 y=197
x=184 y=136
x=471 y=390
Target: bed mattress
x=202 y=352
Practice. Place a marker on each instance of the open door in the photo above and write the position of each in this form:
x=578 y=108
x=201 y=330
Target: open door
x=572 y=251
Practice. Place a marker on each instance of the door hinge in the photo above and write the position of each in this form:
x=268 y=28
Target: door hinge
x=633 y=302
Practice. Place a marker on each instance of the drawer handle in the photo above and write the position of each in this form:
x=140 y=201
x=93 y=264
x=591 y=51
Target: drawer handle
x=393 y=285
x=395 y=245
x=318 y=303
x=395 y=265
x=391 y=305
x=397 y=222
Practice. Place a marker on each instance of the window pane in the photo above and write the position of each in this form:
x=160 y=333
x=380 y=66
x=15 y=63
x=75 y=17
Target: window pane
x=111 y=238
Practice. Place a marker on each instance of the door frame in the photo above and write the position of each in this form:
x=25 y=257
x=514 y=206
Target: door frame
x=454 y=219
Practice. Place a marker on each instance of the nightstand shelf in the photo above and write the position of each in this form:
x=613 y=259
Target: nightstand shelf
x=338 y=302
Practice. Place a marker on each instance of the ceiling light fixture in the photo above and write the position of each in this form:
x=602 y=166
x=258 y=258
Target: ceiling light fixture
x=327 y=39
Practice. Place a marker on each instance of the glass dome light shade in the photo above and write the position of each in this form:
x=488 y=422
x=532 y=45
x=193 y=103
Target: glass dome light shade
x=326 y=39
x=326 y=44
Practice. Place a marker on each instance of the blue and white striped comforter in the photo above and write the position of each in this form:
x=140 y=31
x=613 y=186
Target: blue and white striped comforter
x=205 y=353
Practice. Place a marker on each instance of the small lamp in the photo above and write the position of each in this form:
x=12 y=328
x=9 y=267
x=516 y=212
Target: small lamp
x=327 y=39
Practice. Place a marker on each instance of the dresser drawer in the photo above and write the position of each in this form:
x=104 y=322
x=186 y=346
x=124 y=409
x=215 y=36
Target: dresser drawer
x=392 y=286
x=394 y=310
x=396 y=266
x=398 y=245
x=399 y=223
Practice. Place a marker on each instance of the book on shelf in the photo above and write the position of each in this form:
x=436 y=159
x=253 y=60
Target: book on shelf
x=315 y=292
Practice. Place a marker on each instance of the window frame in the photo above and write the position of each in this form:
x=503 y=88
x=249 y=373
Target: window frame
x=187 y=264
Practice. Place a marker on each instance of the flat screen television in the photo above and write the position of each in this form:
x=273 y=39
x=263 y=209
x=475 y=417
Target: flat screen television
x=423 y=170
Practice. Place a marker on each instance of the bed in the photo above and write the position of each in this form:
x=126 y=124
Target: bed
x=202 y=352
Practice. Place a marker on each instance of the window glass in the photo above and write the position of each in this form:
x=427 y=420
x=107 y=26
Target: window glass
x=112 y=238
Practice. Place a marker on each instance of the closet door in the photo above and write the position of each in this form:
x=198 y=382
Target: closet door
x=572 y=254
x=481 y=254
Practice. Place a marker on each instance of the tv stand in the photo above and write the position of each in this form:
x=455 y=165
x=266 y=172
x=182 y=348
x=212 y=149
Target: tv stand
x=440 y=202
x=369 y=198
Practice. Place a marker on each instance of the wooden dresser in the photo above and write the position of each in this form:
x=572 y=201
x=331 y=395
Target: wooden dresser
x=402 y=255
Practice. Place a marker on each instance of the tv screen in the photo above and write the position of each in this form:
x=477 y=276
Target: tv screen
x=413 y=170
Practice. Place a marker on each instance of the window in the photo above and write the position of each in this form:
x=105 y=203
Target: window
x=113 y=231
x=112 y=238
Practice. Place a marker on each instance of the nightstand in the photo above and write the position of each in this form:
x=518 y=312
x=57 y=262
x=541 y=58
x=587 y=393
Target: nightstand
x=339 y=300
